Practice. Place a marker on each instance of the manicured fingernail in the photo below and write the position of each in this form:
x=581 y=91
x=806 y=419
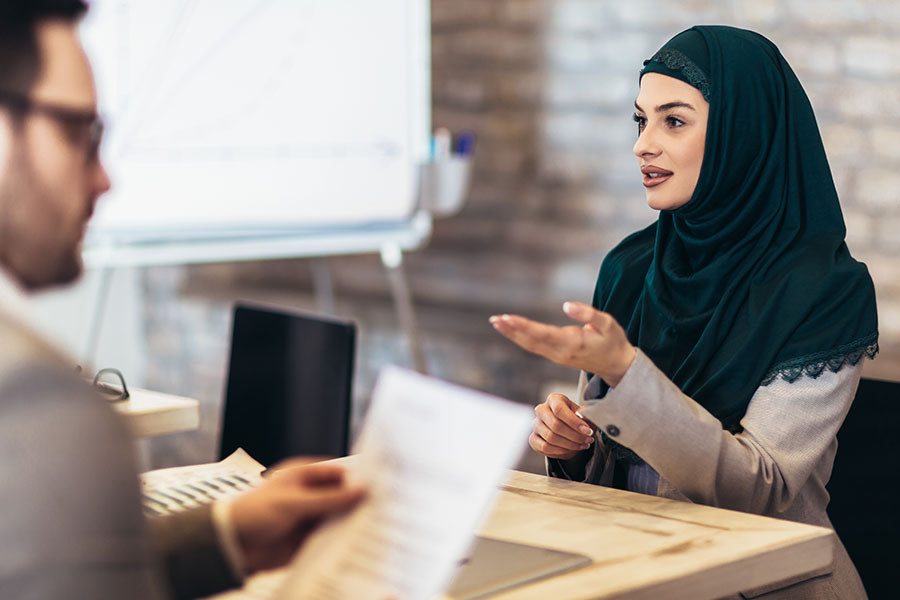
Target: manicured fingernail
x=590 y=441
x=567 y=307
x=505 y=317
x=579 y=415
x=585 y=430
x=493 y=319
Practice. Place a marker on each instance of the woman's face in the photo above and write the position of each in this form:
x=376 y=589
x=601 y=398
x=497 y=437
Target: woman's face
x=671 y=117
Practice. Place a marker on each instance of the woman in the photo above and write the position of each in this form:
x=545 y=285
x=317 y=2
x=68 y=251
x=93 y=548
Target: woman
x=724 y=345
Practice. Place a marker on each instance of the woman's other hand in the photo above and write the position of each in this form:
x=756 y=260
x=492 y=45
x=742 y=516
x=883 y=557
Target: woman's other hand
x=599 y=346
x=557 y=432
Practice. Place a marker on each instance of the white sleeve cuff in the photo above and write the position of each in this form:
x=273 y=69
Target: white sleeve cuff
x=592 y=390
x=231 y=549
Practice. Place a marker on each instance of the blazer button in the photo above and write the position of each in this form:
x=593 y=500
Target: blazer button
x=612 y=430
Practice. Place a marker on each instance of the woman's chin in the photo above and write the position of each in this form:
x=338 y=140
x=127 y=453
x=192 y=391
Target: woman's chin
x=658 y=201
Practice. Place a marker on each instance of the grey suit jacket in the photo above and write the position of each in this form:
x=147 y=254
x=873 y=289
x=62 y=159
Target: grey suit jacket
x=71 y=523
x=777 y=466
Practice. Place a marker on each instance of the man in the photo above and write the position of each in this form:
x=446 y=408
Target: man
x=70 y=515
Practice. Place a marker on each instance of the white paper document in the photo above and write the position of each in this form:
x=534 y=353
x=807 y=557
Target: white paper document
x=432 y=456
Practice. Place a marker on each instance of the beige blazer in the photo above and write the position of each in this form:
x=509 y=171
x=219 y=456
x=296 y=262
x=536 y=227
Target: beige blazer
x=777 y=466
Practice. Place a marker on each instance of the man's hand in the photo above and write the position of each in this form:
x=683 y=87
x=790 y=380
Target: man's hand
x=557 y=432
x=599 y=346
x=273 y=520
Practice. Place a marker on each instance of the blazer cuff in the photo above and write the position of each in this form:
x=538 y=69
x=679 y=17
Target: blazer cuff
x=613 y=414
x=191 y=553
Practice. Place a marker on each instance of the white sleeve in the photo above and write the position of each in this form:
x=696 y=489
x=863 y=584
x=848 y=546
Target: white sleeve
x=227 y=536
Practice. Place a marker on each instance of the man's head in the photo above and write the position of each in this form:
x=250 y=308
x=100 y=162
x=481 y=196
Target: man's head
x=50 y=173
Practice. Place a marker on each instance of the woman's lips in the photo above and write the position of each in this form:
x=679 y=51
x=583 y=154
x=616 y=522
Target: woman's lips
x=654 y=176
x=657 y=180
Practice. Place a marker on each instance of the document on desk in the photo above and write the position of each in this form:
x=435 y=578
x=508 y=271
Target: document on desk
x=171 y=490
x=433 y=456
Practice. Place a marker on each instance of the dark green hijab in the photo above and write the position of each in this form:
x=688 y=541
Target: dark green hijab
x=751 y=279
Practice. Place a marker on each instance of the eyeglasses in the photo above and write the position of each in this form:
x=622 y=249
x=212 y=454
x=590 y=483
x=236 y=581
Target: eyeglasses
x=111 y=384
x=76 y=121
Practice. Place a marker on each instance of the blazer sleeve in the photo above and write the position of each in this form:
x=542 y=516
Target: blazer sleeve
x=71 y=524
x=70 y=511
x=787 y=430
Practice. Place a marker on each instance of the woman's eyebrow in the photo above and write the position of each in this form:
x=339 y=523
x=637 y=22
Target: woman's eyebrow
x=668 y=106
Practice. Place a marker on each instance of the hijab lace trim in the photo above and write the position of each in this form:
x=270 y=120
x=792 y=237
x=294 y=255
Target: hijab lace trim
x=813 y=365
x=675 y=60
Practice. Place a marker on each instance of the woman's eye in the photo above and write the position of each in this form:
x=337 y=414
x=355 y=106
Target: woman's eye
x=641 y=122
x=674 y=122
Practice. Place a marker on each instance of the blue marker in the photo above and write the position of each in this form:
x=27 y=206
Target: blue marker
x=464 y=143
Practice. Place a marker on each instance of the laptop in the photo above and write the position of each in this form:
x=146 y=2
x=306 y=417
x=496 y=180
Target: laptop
x=492 y=566
x=289 y=386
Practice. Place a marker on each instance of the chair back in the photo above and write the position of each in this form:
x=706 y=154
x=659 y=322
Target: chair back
x=864 y=488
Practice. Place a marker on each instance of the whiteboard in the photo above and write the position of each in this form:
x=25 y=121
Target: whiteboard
x=254 y=117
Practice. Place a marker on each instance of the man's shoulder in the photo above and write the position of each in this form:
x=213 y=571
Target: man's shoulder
x=54 y=427
x=37 y=382
x=21 y=346
x=39 y=395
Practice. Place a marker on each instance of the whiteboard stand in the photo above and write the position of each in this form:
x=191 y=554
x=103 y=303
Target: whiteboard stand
x=392 y=259
x=323 y=285
x=390 y=240
x=93 y=340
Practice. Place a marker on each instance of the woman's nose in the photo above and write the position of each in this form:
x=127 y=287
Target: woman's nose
x=646 y=144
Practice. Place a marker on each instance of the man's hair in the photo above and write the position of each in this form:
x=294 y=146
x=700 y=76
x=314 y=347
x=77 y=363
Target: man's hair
x=20 y=60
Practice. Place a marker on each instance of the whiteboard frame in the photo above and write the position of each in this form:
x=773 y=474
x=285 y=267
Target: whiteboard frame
x=405 y=236
x=117 y=248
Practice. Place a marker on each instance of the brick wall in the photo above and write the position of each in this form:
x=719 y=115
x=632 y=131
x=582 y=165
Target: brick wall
x=547 y=85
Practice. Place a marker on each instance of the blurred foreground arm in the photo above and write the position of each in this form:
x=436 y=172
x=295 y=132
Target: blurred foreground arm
x=272 y=521
x=266 y=526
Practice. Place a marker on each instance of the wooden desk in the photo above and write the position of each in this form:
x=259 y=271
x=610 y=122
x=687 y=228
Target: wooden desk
x=153 y=413
x=643 y=547
x=647 y=547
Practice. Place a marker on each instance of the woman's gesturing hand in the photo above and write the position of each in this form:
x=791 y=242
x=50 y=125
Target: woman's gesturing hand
x=599 y=346
x=557 y=432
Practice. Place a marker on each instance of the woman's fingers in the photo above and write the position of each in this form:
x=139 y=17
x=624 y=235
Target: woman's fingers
x=533 y=336
x=563 y=410
x=559 y=429
x=541 y=446
x=558 y=432
x=587 y=314
x=599 y=345
x=557 y=441
x=567 y=346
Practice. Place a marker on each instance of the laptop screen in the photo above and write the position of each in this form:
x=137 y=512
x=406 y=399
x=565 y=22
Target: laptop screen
x=289 y=384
